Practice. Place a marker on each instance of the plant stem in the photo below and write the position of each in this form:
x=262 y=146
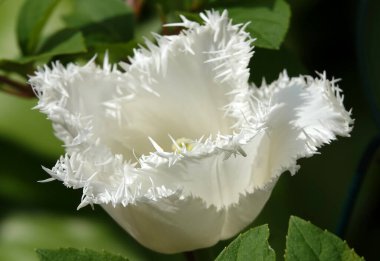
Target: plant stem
x=357 y=181
x=17 y=88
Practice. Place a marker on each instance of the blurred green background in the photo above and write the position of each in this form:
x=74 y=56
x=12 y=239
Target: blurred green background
x=340 y=37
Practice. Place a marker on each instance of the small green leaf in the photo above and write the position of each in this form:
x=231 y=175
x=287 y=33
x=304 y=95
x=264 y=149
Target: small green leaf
x=308 y=242
x=269 y=21
x=251 y=244
x=102 y=21
x=31 y=20
x=72 y=254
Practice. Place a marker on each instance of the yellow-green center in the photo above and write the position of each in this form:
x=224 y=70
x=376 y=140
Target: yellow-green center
x=182 y=143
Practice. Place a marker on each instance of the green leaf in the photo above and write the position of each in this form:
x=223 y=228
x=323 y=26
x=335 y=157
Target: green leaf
x=61 y=43
x=251 y=244
x=102 y=21
x=116 y=51
x=172 y=6
x=308 y=242
x=269 y=21
x=16 y=66
x=31 y=20
x=191 y=16
x=21 y=232
x=65 y=41
x=72 y=254
x=17 y=116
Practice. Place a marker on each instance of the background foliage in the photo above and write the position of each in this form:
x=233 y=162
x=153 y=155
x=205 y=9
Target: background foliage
x=303 y=36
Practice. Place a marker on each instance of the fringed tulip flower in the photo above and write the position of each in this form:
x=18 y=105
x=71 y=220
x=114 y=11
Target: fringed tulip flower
x=176 y=145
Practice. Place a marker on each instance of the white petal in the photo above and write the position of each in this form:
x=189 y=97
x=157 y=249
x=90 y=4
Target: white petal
x=75 y=98
x=304 y=113
x=174 y=225
x=181 y=84
x=216 y=170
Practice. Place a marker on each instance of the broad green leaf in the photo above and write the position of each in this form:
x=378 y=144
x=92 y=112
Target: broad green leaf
x=253 y=244
x=308 y=242
x=269 y=21
x=61 y=43
x=102 y=21
x=31 y=20
x=72 y=254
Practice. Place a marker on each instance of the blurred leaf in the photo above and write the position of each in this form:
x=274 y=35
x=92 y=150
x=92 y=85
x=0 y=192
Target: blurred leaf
x=31 y=20
x=269 y=21
x=16 y=66
x=63 y=42
x=308 y=242
x=21 y=233
x=144 y=28
x=71 y=254
x=96 y=11
x=191 y=16
x=21 y=124
x=102 y=21
x=117 y=51
x=253 y=244
x=171 y=6
x=16 y=177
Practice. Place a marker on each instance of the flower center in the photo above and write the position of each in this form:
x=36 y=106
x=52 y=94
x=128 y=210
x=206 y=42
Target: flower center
x=183 y=143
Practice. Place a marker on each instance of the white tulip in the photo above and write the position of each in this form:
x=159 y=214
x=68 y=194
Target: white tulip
x=177 y=146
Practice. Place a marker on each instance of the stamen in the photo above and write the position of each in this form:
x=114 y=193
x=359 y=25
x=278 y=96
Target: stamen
x=183 y=143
